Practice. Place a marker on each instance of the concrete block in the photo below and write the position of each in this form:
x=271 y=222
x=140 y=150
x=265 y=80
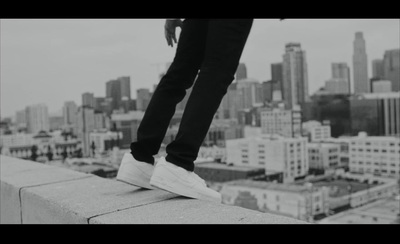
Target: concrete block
x=78 y=201
x=16 y=174
x=190 y=211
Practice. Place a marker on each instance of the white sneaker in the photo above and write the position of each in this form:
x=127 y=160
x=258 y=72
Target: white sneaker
x=135 y=172
x=175 y=179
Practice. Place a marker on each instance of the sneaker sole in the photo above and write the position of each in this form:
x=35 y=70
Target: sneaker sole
x=176 y=188
x=124 y=175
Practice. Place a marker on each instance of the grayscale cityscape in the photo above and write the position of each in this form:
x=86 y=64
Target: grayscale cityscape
x=309 y=129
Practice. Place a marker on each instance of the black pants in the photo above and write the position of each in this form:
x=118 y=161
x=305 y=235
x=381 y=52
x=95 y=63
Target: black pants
x=209 y=50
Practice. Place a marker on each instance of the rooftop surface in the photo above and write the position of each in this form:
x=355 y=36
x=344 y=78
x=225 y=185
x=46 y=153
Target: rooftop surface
x=270 y=186
x=34 y=193
x=380 y=212
x=224 y=166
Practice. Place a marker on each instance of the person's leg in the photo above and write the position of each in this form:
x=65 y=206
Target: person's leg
x=226 y=39
x=171 y=90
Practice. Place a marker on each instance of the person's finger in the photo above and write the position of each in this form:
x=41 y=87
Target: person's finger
x=168 y=38
x=174 y=38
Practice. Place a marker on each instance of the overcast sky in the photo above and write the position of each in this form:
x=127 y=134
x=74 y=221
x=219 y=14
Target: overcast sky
x=53 y=61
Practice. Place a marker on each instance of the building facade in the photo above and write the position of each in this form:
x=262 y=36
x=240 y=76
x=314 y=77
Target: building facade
x=295 y=75
x=381 y=86
x=377 y=114
x=127 y=124
x=391 y=68
x=37 y=118
x=323 y=155
x=376 y=155
x=280 y=121
x=316 y=131
x=300 y=202
x=360 y=65
x=69 y=112
x=273 y=153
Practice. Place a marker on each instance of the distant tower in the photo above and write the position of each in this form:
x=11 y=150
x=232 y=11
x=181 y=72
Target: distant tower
x=391 y=68
x=377 y=68
x=241 y=72
x=295 y=77
x=360 y=65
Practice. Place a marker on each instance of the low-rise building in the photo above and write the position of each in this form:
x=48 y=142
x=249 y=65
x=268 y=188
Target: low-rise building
x=301 y=202
x=323 y=155
x=377 y=155
x=217 y=172
x=273 y=153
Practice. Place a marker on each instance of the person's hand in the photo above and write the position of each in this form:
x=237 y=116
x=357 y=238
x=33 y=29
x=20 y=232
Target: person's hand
x=169 y=30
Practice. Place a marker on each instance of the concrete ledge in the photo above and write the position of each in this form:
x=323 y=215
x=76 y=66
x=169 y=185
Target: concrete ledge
x=34 y=193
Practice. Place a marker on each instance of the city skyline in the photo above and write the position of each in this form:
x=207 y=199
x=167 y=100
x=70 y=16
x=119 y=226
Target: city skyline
x=77 y=56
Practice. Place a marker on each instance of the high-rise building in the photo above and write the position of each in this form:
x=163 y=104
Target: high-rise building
x=377 y=69
x=249 y=92
x=269 y=88
x=20 y=118
x=37 y=118
x=142 y=99
x=69 y=112
x=391 y=68
x=360 y=65
x=377 y=114
x=337 y=86
x=118 y=91
x=128 y=124
x=277 y=72
x=341 y=74
x=295 y=77
x=281 y=121
x=274 y=153
x=241 y=72
x=85 y=124
x=340 y=71
x=381 y=86
x=334 y=108
x=88 y=99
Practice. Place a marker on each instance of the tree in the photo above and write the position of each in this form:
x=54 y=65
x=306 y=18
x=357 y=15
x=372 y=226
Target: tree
x=49 y=153
x=34 y=155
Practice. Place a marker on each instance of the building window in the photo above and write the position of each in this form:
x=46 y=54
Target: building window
x=245 y=161
x=277 y=197
x=261 y=162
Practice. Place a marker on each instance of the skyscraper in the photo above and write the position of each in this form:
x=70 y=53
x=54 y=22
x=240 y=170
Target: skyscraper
x=377 y=68
x=69 y=112
x=391 y=68
x=118 y=91
x=341 y=71
x=37 y=118
x=241 y=72
x=277 y=72
x=377 y=114
x=88 y=99
x=360 y=65
x=295 y=77
x=142 y=99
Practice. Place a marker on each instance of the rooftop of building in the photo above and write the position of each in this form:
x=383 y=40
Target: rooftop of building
x=270 y=186
x=322 y=145
x=34 y=193
x=385 y=211
x=214 y=165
